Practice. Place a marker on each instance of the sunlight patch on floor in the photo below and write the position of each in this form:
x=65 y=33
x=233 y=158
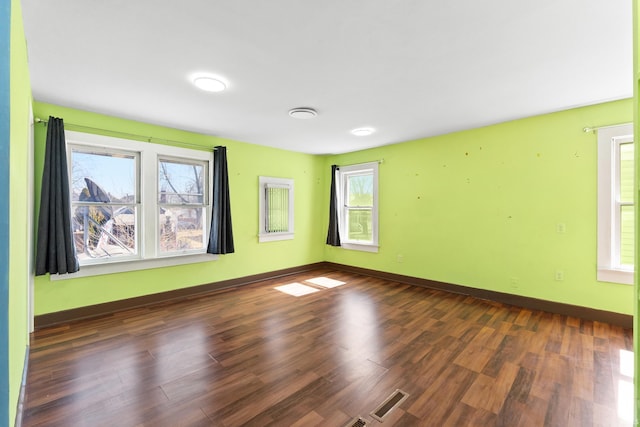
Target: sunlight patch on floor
x=296 y=289
x=325 y=282
x=625 y=386
x=626 y=363
x=625 y=400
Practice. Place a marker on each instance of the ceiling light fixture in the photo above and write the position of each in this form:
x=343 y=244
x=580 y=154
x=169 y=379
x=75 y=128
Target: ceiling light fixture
x=363 y=131
x=209 y=83
x=303 y=113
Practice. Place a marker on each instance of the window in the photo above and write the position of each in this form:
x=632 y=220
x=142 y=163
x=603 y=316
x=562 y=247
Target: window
x=358 y=206
x=134 y=201
x=616 y=209
x=182 y=208
x=276 y=209
x=105 y=203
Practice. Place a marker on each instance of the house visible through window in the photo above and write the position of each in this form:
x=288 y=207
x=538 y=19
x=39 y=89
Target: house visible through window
x=616 y=209
x=137 y=201
x=276 y=209
x=358 y=206
x=182 y=208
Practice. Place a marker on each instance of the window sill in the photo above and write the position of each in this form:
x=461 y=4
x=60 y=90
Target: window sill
x=611 y=275
x=274 y=237
x=360 y=247
x=125 y=266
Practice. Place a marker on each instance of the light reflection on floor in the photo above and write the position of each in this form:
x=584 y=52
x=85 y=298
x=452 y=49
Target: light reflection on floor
x=359 y=317
x=625 y=386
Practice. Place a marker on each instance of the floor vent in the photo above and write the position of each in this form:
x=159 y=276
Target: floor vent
x=396 y=398
x=357 y=422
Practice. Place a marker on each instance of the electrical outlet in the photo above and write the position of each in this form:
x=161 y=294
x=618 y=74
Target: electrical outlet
x=514 y=283
x=559 y=275
x=400 y=258
x=561 y=228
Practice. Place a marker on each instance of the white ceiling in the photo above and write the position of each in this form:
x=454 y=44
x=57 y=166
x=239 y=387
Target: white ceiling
x=408 y=68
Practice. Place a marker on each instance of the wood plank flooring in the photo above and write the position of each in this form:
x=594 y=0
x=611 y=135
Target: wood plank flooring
x=255 y=356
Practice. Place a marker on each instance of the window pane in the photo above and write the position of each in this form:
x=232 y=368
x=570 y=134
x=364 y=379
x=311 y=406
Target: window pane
x=182 y=229
x=359 y=223
x=360 y=190
x=626 y=172
x=626 y=235
x=103 y=177
x=277 y=209
x=104 y=231
x=180 y=182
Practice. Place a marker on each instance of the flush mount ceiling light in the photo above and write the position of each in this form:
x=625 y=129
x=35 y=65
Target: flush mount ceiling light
x=209 y=83
x=303 y=113
x=363 y=131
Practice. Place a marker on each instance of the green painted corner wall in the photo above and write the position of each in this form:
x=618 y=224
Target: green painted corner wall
x=246 y=162
x=19 y=196
x=481 y=208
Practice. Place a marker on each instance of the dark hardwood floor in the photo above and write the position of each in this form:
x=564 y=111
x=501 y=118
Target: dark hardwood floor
x=256 y=356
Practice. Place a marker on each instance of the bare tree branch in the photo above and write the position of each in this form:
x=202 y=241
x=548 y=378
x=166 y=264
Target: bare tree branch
x=166 y=177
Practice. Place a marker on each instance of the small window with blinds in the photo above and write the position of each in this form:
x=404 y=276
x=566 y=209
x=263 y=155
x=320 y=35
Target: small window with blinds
x=276 y=209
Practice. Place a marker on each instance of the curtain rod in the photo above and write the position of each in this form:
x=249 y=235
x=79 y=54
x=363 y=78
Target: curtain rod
x=595 y=128
x=380 y=161
x=150 y=139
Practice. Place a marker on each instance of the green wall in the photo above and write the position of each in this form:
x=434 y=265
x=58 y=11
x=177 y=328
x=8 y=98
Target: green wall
x=478 y=208
x=481 y=208
x=19 y=197
x=5 y=191
x=636 y=136
x=246 y=162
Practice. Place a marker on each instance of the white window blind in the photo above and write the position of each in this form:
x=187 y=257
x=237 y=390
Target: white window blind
x=276 y=209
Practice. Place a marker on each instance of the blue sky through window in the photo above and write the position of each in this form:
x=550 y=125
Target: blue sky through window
x=114 y=174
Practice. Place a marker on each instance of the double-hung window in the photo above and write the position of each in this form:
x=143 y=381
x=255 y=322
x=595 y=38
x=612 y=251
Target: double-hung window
x=182 y=204
x=616 y=204
x=357 y=192
x=105 y=203
x=276 y=209
x=140 y=202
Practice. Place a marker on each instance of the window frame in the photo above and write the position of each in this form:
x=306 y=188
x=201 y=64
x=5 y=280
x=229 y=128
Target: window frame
x=205 y=204
x=341 y=193
x=148 y=235
x=101 y=150
x=609 y=266
x=263 y=234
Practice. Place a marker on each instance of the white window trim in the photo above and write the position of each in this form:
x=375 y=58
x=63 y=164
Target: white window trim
x=134 y=265
x=149 y=255
x=263 y=236
x=609 y=268
x=101 y=149
x=344 y=242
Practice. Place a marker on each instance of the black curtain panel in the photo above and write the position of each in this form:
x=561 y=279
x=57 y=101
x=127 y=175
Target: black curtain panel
x=333 y=235
x=55 y=251
x=221 y=235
